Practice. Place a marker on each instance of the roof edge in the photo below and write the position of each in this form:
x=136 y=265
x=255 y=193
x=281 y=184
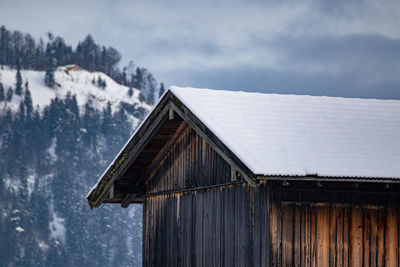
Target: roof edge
x=122 y=160
x=316 y=177
x=125 y=158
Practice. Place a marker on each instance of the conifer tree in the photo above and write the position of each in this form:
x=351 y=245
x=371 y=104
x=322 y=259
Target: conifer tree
x=106 y=123
x=28 y=102
x=101 y=83
x=123 y=78
x=137 y=79
x=130 y=91
x=49 y=76
x=18 y=84
x=161 y=90
x=10 y=94
x=2 y=93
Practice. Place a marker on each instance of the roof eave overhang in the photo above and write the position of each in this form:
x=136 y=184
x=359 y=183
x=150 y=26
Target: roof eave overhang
x=315 y=177
x=130 y=151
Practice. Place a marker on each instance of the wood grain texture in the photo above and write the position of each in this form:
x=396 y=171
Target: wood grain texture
x=332 y=234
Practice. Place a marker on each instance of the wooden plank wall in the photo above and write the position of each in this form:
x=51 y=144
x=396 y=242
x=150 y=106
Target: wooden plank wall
x=195 y=216
x=191 y=163
x=205 y=228
x=215 y=223
x=320 y=234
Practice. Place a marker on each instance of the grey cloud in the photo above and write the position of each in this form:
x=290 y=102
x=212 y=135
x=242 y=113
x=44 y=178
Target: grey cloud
x=348 y=48
x=272 y=81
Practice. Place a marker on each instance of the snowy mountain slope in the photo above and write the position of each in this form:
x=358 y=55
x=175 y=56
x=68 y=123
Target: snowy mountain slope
x=48 y=161
x=79 y=82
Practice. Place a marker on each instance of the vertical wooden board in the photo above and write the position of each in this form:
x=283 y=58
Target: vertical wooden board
x=146 y=233
x=333 y=235
x=204 y=229
x=255 y=217
x=297 y=235
x=186 y=161
x=169 y=231
x=176 y=230
x=198 y=229
x=230 y=248
x=287 y=234
x=150 y=231
x=189 y=233
x=340 y=239
x=367 y=250
x=275 y=233
x=381 y=214
x=218 y=228
x=264 y=201
x=247 y=214
x=155 y=229
x=323 y=214
x=203 y=162
x=346 y=235
x=313 y=234
x=199 y=177
x=209 y=229
x=222 y=226
x=372 y=212
x=260 y=223
x=227 y=230
x=158 y=248
x=154 y=232
x=181 y=222
x=356 y=236
x=235 y=224
x=261 y=227
x=193 y=229
x=192 y=160
x=240 y=227
x=209 y=159
x=180 y=153
x=305 y=234
x=391 y=237
x=165 y=226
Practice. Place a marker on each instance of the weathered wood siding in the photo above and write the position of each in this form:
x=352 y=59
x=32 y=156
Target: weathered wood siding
x=205 y=228
x=191 y=163
x=194 y=215
x=333 y=234
x=214 y=222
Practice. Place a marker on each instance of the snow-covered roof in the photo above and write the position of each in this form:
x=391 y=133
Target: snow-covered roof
x=281 y=135
x=302 y=135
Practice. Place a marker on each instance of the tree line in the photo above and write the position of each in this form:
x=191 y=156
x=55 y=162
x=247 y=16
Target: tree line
x=22 y=51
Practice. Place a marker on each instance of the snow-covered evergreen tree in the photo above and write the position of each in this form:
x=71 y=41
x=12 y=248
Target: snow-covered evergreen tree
x=18 y=83
x=10 y=94
x=2 y=93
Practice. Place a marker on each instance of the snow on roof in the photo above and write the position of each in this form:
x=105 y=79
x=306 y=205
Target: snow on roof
x=302 y=135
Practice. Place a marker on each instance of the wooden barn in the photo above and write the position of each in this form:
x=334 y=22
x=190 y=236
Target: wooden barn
x=248 y=179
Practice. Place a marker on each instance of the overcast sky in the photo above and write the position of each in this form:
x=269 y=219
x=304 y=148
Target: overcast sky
x=341 y=48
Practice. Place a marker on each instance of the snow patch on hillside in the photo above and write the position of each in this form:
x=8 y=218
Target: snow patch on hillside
x=52 y=151
x=57 y=228
x=78 y=82
x=19 y=229
x=31 y=180
x=13 y=185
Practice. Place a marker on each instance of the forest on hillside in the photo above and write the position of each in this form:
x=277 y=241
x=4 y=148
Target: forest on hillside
x=52 y=155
